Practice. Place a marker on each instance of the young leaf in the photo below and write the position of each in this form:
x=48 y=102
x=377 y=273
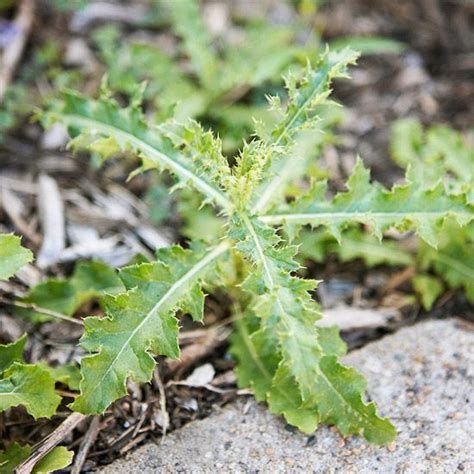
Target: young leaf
x=141 y=323
x=405 y=206
x=12 y=255
x=30 y=386
x=199 y=146
x=58 y=458
x=288 y=316
x=126 y=130
x=89 y=280
x=428 y=287
x=12 y=352
x=307 y=93
x=309 y=90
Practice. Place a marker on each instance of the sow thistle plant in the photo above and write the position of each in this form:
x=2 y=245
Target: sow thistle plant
x=282 y=354
x=437 y=154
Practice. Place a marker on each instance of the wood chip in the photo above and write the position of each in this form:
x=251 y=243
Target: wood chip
x=15 y=210
x=51 y=212
x=349 y=318
x=98 y=12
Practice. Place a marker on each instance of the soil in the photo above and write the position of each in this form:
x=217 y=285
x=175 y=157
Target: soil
x=432 y=79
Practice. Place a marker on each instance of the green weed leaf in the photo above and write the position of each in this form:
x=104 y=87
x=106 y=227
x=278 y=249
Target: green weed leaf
x=12 y=352
x=12 y=255
x=105 y=128
x=14 y=455
x=405 y=206
x=141 y=323
x=58 y=458
x=288 y=360
x=30 y=386
x=308 y=365
x=428 y=287
x=89 y=280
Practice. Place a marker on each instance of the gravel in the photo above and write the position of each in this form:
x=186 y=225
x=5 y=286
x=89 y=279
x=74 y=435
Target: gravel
x=422 y=377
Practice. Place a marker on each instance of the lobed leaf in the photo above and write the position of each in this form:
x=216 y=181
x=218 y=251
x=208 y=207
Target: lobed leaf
x=405 y=206
x=307 y=92
x=141 y=323
x=102 y=126
x=89 y=280
x=257 y=368
x=288 y=318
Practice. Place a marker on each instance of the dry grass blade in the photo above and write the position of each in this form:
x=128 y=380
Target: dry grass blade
x=86 y=444
x=164 y=412
x=38 y=309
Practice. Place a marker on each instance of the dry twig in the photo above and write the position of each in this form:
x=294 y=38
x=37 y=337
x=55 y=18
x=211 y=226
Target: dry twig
x=50 y=442
x=86 y=444
x=164 y=412
x=38 y=309
x=197 y=351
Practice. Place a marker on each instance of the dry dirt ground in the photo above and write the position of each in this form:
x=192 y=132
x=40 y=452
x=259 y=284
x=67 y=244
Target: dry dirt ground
x=432 y=79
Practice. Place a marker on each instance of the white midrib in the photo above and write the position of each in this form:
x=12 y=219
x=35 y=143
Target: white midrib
x=6 y=394
x=270 y=189
x=271 y=284
x=15 y=392
x=276 y=181
x=202 y=185
x=278 y=218
x=221 y=248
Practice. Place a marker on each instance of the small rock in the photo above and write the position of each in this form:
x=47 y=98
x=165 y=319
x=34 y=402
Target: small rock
x=441 y=441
